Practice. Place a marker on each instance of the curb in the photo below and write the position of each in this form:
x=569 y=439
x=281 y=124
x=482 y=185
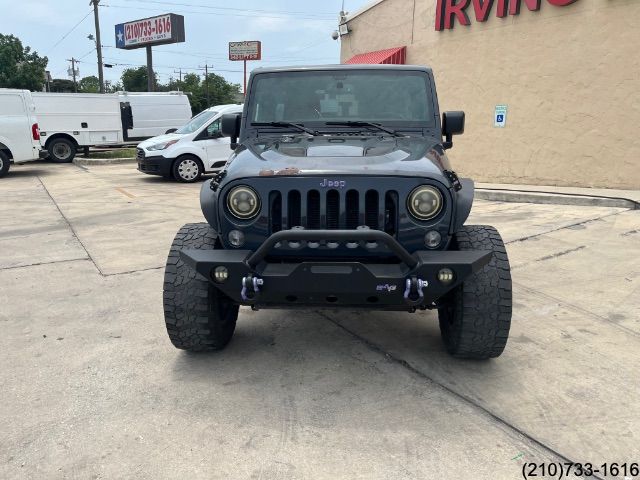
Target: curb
x=520 y=196
x=102 y=161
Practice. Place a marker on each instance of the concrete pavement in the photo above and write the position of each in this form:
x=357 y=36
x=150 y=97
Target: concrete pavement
x=93 y=389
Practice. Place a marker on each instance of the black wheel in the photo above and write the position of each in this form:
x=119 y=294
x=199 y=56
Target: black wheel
x=197 y=315
x=475 y=317
x=5 y=164
x=61 y=150
x=187 y=169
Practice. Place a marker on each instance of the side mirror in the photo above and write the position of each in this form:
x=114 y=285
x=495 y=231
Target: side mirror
x=171 y=130
x=230 y=127
x=452 y=124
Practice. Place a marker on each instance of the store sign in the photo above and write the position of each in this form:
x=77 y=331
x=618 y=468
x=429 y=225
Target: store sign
x=158 y=30
x=448 y=10
x=245 y=51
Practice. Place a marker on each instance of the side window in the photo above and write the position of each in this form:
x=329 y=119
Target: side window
x=213 y=130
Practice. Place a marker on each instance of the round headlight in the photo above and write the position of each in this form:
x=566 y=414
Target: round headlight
x=425 y=202
x=243 y=202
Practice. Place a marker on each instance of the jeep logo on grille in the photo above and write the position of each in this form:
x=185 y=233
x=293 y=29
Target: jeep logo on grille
x=333 y=183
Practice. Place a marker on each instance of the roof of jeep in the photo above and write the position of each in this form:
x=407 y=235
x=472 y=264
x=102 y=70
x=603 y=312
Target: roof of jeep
x=400 y=68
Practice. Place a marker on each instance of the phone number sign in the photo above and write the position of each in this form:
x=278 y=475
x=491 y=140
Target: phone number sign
x=160 y=30
x=245 y=50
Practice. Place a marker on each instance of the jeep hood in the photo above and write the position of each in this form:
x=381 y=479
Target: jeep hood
x=339 y=155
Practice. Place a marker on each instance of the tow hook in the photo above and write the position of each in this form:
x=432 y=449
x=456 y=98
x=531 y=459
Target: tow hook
x=251 y=288
x=413 y=294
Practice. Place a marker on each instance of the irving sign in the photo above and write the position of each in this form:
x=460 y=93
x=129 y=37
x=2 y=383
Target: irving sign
x=447 y=10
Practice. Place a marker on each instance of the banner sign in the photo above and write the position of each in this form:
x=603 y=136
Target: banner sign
x=245 y=50
x=158 y=30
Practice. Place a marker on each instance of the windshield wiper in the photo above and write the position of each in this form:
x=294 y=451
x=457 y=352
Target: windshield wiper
x=297 y=126
x=366 y=124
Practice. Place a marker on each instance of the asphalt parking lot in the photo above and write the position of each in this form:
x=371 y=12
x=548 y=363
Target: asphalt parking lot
x=92 y=388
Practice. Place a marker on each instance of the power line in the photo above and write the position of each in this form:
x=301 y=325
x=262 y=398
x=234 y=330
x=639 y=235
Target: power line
x=69 y=32
x=218 y=14
x=193 y=5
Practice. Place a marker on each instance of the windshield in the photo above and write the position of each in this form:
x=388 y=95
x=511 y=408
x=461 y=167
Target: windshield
x=197 y=122
x=388 y=97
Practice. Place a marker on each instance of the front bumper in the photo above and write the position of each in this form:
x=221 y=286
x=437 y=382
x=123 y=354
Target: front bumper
x=409 y=284
x=154 y=165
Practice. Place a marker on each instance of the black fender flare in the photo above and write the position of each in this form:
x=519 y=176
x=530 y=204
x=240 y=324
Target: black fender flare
x=464 y=203
x=209 y=205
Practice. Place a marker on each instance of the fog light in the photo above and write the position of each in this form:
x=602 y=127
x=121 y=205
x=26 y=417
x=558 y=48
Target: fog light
x=221 y=274
x=432 y=239
x=445 y=276
x=236 y=238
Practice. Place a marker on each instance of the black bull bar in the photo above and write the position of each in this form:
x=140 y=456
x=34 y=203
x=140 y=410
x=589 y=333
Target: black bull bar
x=412 y=282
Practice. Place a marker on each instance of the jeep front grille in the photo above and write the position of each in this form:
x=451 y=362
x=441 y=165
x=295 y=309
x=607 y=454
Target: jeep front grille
x=140 y=154
x=333 y=210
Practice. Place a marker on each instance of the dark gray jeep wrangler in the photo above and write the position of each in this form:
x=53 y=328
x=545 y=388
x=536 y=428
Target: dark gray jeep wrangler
x=339 y=194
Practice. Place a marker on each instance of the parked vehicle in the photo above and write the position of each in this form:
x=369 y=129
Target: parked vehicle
x=70 y=121
x=155 y=113
x=340 y=195
x=194 y=149
x=19 y=132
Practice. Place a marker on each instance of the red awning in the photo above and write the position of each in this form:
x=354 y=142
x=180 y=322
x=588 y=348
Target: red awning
x=395 y=56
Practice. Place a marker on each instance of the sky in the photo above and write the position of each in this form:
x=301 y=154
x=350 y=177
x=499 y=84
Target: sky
x=292 y=33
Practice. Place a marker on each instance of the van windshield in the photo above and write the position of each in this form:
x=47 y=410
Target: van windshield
x=197 y=122
x=316 y=97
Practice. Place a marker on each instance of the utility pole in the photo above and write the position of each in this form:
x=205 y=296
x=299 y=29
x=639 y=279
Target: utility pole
x=98 y=44
x=150 y=74
x=179 y=72
x=74 y=73
x=206 y=83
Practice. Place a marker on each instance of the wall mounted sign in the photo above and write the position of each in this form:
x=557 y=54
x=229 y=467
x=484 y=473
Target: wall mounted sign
x=500 y=117
x=448 y=10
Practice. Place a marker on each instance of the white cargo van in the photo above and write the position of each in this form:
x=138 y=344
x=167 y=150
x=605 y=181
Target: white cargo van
x=196 y=148
x=155 y=113
x=69 y=121
x=72 y=120
x=19 y=134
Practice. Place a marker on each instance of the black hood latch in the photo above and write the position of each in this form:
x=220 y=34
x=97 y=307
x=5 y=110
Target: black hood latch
x=215 y=182
x=453 y=179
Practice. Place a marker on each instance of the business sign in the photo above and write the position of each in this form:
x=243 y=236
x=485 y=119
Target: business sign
x=500 y=116
x=245 y=51
x=146 y=32
x=448 y=10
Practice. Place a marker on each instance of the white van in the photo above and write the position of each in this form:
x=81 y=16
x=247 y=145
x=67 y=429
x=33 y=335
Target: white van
x=69 y=121
x=19 y=133
x=192 y=150
x=72 y=120
x=155 y=113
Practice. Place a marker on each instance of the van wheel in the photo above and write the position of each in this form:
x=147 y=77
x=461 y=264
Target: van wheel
x=187 y=169
x=5 y=164
x=61 y=150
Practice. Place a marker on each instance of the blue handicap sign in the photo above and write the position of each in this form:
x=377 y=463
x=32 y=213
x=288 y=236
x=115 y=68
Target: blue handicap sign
x=500 y=118
x=120 y=36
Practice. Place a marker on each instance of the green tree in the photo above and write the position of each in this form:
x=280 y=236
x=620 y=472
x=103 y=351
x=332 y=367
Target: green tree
x=61 y=85
x=135 y=79
x=19 y=66
x=90 y=84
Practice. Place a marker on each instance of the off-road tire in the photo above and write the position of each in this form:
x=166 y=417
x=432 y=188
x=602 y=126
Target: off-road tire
x=476 y=316
x=187 y=169
x=5 y=164
x=58 y=146
x=197 y=315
